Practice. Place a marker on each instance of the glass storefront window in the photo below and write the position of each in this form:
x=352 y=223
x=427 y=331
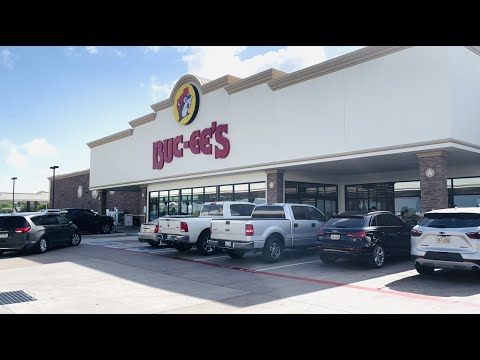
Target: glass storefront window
x=322 y=196
x=361 y=197
x=257 y=193
x=197 y=200
x=163 y=203
x=241 y=192
x=211 y=194
x=186 y=202
x=466 y=192
x=173 y=202
x=226 y=193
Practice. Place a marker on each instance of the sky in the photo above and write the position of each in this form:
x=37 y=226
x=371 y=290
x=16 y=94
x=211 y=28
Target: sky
x=56 y=99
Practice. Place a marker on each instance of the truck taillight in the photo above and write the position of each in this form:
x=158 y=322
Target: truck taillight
x=156 y=229
x=360 y=234
x=473 y=235
x=248 y=230
x=415 y=233
x=183 y=227
x=22 y=230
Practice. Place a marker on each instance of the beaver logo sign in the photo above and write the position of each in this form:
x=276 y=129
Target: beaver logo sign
x=186 y=103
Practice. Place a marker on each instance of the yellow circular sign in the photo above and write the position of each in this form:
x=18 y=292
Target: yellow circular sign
x=186 y=103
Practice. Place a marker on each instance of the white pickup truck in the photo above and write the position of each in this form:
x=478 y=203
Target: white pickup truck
x=184 y=232
x=271 y=229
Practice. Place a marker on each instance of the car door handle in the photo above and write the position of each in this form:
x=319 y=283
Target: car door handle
x=313 y=224
x=295 y=225
x=227 y=222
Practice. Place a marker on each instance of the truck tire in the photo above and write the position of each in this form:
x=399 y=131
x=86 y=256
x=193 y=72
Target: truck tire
x=182 y=247
x=273 y=250
x=236 y=254
x=154 y=243
x=202 y=246
x=328 y=258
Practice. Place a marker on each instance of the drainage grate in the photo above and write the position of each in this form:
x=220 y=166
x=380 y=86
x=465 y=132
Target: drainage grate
x=15 y=297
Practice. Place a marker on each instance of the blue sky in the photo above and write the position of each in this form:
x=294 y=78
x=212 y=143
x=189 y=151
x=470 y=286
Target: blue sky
x=53 y=100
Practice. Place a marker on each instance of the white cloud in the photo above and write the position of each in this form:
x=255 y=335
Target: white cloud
x=92 y=50
x=213 y=62
x=71 y=51
x=154 y=49
x=40 y=148
x=161 y=91
x=15 y=159
x=119 y=53
x=7 y=58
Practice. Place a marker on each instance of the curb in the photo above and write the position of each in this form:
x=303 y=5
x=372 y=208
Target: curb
x=108 y=235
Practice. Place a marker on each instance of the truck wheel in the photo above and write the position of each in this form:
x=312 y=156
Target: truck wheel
x=182 y=247
x=202 y=244
x=273 y=250
x=236 y=254
x=328 y=258
x=424 y=270
x=154 y=243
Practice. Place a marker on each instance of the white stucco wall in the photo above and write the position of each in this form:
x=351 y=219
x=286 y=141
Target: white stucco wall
x=414 y=95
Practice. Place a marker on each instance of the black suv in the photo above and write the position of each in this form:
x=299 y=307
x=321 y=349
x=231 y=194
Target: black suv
x=36 y=231
x=88 y=221
x=370 y=236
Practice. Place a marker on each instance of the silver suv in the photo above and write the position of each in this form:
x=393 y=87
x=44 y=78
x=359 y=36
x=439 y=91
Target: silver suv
x=447 y=238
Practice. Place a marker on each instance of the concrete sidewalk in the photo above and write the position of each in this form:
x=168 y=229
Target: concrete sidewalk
x=118 y=231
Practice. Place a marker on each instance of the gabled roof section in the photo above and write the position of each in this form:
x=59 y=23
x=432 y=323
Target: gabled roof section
x=110 y=138
x=142 y=120
x=255 y=80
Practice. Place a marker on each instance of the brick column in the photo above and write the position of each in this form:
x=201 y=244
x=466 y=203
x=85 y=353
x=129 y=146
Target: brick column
x=143 y=202
x=434 y=191
x=103 y=202
x=275 y=191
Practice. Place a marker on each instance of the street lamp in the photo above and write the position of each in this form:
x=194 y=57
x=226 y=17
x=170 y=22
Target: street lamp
x=13 y=194
x=53 y=186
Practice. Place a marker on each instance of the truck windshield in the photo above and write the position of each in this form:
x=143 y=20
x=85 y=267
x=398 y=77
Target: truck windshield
x=268 y=212
x=212 y=209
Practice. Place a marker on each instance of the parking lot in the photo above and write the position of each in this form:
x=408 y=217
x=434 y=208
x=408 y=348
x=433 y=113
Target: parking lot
x=118 y=274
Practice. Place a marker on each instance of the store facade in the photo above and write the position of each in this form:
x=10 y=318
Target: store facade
x=391 y=127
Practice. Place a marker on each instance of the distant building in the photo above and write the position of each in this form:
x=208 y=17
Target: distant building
x=73 y=191
x=23 y=201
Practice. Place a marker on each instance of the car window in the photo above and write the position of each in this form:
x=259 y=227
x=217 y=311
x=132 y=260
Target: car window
x=268 y=212
x=382 y=220
x=446 y=220
x=241 y=209
x=395 y=220
x=314 y=214
x=345 y=222
x=86 y=213
x=50 y=220
x=299 y=212
x=12 y=222
x=212 y=209
x=62 y=220
x=37 y=220
x=373 y=222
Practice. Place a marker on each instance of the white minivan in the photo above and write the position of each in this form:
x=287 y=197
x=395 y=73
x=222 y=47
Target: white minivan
x=447 y=238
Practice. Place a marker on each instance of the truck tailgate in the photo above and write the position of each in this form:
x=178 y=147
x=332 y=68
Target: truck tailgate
x=229 y=230
x=169 y=226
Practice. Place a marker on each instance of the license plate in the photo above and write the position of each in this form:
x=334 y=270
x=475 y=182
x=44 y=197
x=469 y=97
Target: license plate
x=443 y=239
x=335 y=236
x=228 y=244
x=3 y=235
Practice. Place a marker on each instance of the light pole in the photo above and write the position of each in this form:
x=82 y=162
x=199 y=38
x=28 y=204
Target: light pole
x=53 y=185
x=13 y=194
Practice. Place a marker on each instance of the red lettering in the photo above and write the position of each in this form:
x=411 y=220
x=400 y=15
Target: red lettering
x=194 y=142
x=168 y=150
x=176 y=151
x=221 y=153
x=158 y=155
x=205 y=136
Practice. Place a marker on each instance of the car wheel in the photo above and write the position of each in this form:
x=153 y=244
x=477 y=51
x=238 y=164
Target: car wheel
x=273 y=250
x=105 y=229
x=202 y=245
x=328 y=258
x=154 y=243
x=377 y=258
x=42 y=246
x=182 y=247
x=424 y=270
x=76 y=239
x=236 y=254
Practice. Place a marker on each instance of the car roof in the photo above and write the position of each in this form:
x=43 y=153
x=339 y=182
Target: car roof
x=23 y=214
x=473 y=210
x=360 y=213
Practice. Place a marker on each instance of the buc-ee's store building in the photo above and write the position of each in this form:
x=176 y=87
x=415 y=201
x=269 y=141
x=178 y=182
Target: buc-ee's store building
x=391 y=127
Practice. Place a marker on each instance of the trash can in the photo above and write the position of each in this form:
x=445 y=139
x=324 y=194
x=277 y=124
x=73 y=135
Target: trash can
x=128 y=220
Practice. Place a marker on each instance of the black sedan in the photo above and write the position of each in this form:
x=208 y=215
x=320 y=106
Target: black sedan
x=370 y=236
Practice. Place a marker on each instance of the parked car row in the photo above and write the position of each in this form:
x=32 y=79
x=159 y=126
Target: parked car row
x=447 y=238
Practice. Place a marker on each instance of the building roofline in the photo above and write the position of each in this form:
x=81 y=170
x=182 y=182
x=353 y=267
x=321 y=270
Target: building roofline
x=64 y=176
x=110 y=138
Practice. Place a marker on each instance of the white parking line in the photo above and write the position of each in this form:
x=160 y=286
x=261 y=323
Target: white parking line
x=278 y=267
